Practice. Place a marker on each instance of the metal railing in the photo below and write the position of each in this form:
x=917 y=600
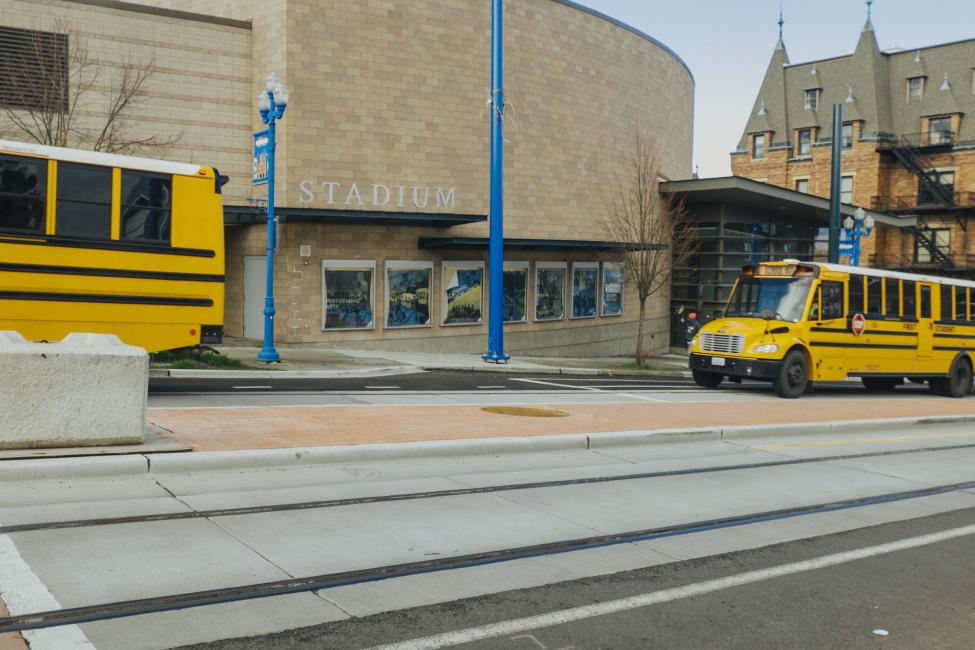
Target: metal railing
x=914 y=201
x=924 y=261
x=929 y=138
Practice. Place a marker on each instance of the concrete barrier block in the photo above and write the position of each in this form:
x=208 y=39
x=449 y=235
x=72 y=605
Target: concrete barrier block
x=88 y=389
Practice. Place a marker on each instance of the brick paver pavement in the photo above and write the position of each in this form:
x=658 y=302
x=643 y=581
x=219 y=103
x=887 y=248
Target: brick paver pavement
x=10 y=640
x=208 y=429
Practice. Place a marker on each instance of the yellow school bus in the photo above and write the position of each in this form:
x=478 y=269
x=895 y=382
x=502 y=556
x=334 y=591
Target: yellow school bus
x=97 y=242
x=795 y=323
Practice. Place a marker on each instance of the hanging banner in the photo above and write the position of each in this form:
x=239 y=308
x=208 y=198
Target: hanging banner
x=261 y=150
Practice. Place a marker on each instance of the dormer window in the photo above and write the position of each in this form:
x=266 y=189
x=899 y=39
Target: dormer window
x=812 y=99
x=804 y=140
x=758 y=146
x=915 y=88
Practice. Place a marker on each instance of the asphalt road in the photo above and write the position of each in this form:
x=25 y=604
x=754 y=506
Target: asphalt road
x=441 y=381
x=918 y=598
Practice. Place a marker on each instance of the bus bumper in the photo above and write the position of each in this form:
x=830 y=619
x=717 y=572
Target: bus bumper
x=736 y=366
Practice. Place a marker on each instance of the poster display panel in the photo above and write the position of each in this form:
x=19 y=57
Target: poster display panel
x=462 y=294
x=408 y=294
x=348 y=295
x=549 y=291
x=612 y=303
x=515 y=282
x=585 y=278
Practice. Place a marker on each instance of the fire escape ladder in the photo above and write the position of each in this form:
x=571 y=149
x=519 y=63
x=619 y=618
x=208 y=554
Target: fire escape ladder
x=926 y=239
x=910 y=157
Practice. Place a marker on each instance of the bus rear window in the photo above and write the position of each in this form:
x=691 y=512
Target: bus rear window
x=23 y=186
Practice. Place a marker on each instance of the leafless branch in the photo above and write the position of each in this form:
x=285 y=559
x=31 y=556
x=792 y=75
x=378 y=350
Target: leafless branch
x=59 y=102
x=652 y=232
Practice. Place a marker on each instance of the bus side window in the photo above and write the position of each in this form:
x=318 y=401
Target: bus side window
x=961 y=303
x=971 y=305
x=925 y=301
x=875 y=295
x=946 y=302
x=856 y=294
x=832 y=299
x=910 y=299
x=893 y=293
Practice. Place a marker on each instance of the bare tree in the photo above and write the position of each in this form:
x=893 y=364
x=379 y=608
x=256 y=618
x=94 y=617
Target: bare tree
x=58 y=93
x=652 y=232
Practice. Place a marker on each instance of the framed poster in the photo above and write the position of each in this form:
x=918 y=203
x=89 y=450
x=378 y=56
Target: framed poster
x=515 y=282
x=408 y=286
x=612 y=303
x=549 y=290
x=585 y=279
x=462 y=290
x=347 y=294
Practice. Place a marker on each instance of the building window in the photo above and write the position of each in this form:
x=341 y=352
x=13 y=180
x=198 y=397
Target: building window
x=846 y=189
x=915 y=88
x=612 y=289
x=802 y=185
x=549 y=290
x=84 y=207
x=758 y=146
x=348 y=294
x=585 y=280
x=847 y=136
x=515 y=282
x=939 y=130
x=926 y=195
x=805 y=142
x=146 y=207
x=23 y=189
x=35 y=69
x=940 y=242
x=462 y=282
x=812 y=99
x=408 y=294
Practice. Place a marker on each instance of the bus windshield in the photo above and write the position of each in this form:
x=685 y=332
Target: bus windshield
x=772 y=298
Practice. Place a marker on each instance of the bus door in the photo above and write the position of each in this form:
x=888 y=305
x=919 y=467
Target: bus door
x=925 y=320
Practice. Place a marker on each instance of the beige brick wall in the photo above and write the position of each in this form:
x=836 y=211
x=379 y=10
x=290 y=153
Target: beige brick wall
x=200 y=91
x=393 y=92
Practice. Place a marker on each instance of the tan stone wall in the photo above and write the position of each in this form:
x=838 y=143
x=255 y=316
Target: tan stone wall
x=200 y=92
x=875 y=175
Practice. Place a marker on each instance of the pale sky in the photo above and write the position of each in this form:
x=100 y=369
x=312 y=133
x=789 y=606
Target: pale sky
x=728 y=44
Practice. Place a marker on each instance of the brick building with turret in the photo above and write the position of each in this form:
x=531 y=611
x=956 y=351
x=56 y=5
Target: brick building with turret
x=908 y=148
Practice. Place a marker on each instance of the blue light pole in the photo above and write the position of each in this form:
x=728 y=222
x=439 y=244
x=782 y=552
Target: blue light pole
x=271 y=104
x=856 y=227
x=495 y=347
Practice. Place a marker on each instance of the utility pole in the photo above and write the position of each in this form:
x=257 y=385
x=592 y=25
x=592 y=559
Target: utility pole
x=834 y=188
x=495 y=346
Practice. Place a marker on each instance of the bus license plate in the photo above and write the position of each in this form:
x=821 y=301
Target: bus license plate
x=717 y=361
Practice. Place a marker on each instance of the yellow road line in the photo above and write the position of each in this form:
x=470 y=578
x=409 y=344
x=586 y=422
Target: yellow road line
x=864 y=441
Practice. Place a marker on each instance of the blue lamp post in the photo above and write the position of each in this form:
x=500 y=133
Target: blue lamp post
x=856 y=227
x=271 y=104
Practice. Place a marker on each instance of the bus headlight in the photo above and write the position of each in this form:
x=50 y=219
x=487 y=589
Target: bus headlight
x=766 y=348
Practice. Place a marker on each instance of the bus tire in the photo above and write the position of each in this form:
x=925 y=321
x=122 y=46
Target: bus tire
x=959 y=380
x=793 y=376
x=707 y=379
x=881 y=384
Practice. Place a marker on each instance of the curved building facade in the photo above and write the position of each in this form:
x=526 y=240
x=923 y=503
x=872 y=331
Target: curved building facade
x=383 y=166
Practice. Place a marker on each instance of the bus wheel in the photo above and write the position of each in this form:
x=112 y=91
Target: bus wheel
x=959 y=380
x=881 y=384
x=793 y=376
x=707 y=379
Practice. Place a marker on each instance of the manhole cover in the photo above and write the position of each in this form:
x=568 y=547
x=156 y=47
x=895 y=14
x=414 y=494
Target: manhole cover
x=525 y=411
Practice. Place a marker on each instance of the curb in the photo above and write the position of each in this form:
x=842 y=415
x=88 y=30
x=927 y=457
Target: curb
x=188 y=373
x=185 y=462
x=554 y=370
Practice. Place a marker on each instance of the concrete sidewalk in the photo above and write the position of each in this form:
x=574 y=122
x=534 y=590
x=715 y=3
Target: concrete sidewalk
x=321 y=362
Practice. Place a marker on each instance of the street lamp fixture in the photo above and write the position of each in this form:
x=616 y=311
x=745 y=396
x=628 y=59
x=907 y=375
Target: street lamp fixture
x=271 y=104
x=857 y=227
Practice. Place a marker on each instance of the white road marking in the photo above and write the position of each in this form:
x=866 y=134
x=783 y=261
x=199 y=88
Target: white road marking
x=590 y=388
x=501 y=387
x=529 y=623
x=252 y=387
x=24 y=593
x=384 y=387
